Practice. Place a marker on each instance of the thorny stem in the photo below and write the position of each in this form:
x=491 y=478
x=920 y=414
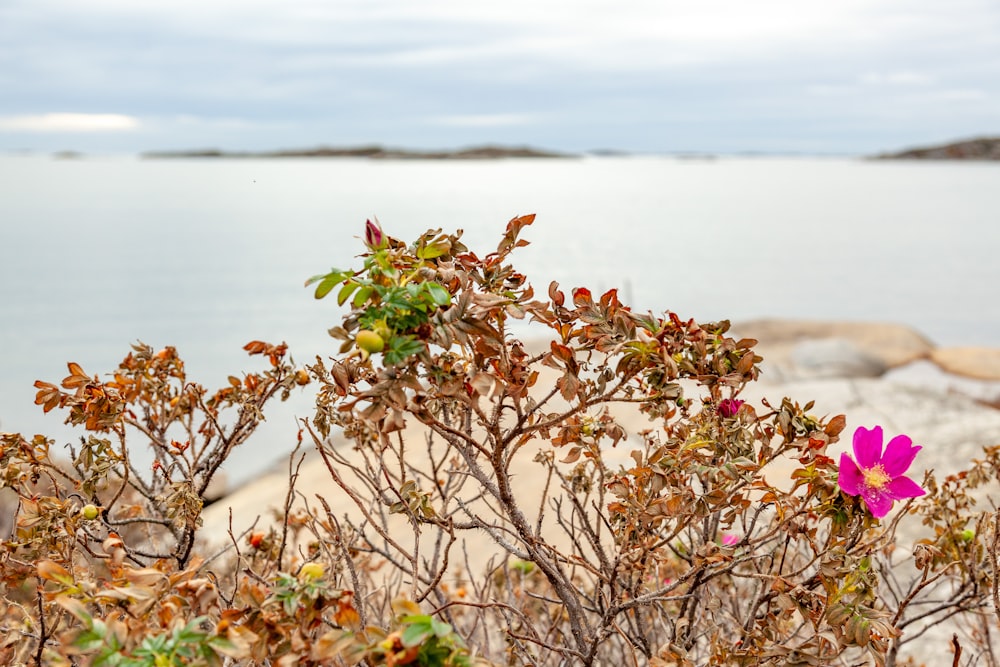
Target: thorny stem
x=994 y=554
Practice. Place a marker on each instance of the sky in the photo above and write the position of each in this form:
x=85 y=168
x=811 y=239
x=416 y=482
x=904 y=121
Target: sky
x=841 y=77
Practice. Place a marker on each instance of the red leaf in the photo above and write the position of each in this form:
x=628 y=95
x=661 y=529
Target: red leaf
x=582 y=297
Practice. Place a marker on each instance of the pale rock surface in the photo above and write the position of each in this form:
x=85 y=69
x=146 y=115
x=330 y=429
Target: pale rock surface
x=982 y=363
x=835 y=357
x=925 y=373
x=781 y=343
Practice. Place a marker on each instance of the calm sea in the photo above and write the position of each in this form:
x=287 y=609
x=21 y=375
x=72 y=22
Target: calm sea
x=207 y=255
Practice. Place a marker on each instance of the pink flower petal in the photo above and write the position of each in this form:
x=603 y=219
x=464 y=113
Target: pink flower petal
x=849 y=478
x=898 y=456
x=868 y=446
x=879 y=503
x=903 y=487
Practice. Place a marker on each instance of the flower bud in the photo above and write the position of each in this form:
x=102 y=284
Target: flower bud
x=373 y=235
x=728 y=407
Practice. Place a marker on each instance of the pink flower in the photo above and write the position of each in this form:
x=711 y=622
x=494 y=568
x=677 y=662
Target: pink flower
x=373 y=234
x=878 y=478
x=728 y=407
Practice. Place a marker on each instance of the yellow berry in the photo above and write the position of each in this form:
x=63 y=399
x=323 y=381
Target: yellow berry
x=312 y=571
x=369 y=341
x=89 y=512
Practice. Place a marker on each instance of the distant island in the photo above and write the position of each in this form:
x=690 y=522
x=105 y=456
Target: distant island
x=982 y=148
x=373 y=152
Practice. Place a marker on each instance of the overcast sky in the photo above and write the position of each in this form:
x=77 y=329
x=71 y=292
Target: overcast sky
x=826 y=76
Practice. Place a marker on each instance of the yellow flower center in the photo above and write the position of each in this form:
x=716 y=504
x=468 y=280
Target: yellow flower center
x=875 y=477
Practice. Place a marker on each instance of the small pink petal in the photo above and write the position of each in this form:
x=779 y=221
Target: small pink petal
x=903 y=487
x=868 y=446
x=898 y=456
x=373 y=234
x=879 y=503
x=850 y=478
x=728 y=407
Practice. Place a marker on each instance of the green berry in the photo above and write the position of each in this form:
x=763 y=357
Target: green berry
x=369 y=341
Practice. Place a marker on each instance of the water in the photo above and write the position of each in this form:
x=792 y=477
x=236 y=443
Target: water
x=207 y=255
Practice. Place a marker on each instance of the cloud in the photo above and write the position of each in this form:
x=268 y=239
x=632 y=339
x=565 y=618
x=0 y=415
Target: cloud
x=484 y=120
x=645 y=74
x=70 y=122
x=901 y=78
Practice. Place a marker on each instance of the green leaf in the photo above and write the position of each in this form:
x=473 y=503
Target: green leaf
x=401 y=347
x=438 y=294
x=328 y=281
x=222 y=645
x=325 y=286
x=433 y=250
x=441 y=629
x=333 y=273
x=88 y=640
x=361 y=296
x=345 y=292
x=418 y=630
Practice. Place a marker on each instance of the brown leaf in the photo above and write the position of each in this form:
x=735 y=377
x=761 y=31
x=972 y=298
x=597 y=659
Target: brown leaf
x=561 y=352
x=256 y=347
x=555 y=294
x=572 y=455
x=835 y=426
x=49 y=396
x=483 y=384
x=569 y=385
x=53 y=571
x=76 y=377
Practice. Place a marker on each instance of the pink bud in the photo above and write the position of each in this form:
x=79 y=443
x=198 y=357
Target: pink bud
x=373 y=234
x=728 y=407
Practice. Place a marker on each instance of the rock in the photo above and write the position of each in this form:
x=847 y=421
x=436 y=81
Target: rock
x=928 y=375
x=974 y=362
x=891 y=344
x=836 y=357
x=217 y=488
x=981 y=148
x=488 y=152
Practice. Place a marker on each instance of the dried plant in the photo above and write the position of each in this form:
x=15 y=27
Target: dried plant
x=493 y=507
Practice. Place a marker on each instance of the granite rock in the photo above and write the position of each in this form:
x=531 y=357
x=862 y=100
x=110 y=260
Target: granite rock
x=974 y=362
x=836 y=357
x=800 y=349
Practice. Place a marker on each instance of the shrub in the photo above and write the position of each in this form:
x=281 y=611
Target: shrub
x=434 y=546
